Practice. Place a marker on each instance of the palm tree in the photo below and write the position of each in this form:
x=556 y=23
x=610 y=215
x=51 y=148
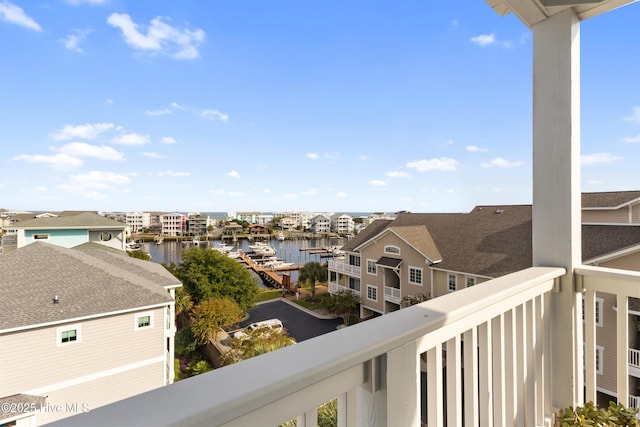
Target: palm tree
x=312 y=272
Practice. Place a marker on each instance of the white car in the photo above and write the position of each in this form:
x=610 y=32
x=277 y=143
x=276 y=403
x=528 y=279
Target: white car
x=274 y=324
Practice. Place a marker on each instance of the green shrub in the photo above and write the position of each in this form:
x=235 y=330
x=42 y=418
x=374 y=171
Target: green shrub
x=197 y=367
x=589 y=415
x=185 y=342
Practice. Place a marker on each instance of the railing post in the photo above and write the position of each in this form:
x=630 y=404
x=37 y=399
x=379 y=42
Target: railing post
x=556 y=192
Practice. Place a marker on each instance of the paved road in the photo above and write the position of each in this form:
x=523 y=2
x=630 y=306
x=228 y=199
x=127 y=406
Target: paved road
x=298 y=323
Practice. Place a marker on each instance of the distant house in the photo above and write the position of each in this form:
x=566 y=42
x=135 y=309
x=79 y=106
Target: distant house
x=257 y=229
x=614 y=207
x=320 y=224
x=68 y=231
x=173 y=224
x=342 y=224
x=83 y=327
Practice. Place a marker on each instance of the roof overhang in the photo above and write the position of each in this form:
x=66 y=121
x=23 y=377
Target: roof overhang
x=531 y=12
x=389 y=262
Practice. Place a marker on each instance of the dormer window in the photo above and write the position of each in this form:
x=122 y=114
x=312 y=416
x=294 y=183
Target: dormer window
x=391 y=249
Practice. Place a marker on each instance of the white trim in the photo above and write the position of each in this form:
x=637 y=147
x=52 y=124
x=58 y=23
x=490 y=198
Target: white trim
x=384 y=250
x=455 y=276
x=628 y=203
x=66 y=328
x=389 y=229
x=79 y=319
x=421 y=270
x=621 y=224
x=613 y=255
x=375 y=267
x=462 y=272
x=376 y=292
x=95 y=376
x=136 y=320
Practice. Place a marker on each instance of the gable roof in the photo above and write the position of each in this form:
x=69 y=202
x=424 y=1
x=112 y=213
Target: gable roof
x=609 y=199
x=416 y=236
x=81 y=220
x=88 y=282
x=365 y=234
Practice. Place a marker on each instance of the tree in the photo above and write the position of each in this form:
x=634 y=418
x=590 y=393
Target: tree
x=210 y=315
x=311 y=273
x=343 y=303
x=139 y=254
x=259 y=341
x=184 y=304
x=209 y=273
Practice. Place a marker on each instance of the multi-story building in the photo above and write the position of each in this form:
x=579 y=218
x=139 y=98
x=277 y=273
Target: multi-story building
x=80 y=328
x=320 y=224
x=264 y=219
x=138 y=222
x=198 y=224
x=342 y=223
x=250 y=217
x=173 y=224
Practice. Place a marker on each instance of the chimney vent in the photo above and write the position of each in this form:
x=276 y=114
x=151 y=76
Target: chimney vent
x=56 y=299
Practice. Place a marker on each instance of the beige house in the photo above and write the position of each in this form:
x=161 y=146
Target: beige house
x=80 y=328
x=615 y=207
x=430 y=255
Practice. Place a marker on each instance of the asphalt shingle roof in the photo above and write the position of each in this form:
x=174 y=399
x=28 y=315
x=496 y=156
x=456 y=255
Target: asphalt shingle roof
x=608 y=199
x=85 y=219
x=87 y=282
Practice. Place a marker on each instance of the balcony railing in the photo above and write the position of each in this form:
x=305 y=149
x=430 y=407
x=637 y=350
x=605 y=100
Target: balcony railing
x=335 y=287
x=392 y=294
x=343 y=267
x=634 y=362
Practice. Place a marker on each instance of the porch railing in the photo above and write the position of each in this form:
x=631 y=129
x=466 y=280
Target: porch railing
x=392 y=294
x=343 y=267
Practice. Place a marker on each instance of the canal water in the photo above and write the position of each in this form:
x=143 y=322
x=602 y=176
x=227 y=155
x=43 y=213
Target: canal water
x=287 y=250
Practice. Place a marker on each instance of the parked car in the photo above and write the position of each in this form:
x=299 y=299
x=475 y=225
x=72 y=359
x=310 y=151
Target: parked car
x=274 y=324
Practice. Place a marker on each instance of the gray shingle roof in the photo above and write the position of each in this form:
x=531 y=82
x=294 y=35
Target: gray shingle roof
x=85 y=219
x=87 y=282
x=494 y=240
x=608 y=199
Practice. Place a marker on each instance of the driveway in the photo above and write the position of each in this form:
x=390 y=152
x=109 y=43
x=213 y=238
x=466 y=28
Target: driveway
x=299 y=324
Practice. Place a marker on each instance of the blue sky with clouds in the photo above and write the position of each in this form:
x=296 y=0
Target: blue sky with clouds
x=271 y=105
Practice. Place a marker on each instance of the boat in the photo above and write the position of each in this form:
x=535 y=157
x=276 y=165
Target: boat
x=280 y=236
x=133 y=246
x=159 y=240
x=196 y=241
x=262 y=249
x=221 y=247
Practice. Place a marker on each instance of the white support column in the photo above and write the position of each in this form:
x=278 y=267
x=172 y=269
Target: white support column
x=556 y=191
x=403 y=386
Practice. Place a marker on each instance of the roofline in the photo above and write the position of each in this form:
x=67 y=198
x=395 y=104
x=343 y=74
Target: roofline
x=627 y=203
x=390 y=229
x=612 y=255
x=78 y=319
x=71 y=227
x=466 y=273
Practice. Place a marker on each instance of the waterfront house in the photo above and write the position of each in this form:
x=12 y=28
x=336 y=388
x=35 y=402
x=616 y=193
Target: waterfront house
x=532 y=352
x=68 y=231
x=83 y=327
x=138 y=222
x=320 y=224
x=342 y=223
x=173 y=224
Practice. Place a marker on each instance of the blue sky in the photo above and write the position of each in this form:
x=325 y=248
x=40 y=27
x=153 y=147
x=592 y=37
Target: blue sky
x=275 y=105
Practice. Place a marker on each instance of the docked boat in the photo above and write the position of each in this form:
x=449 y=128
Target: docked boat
x=280 y=236
x=262 y=249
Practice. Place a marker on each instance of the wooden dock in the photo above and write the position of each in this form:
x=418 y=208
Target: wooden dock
x=268 y=274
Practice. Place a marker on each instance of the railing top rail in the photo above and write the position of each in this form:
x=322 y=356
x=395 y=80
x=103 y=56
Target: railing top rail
x=224 y=394
x=609 y=280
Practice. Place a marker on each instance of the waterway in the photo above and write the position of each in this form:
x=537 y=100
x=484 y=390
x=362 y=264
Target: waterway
x=287 y=250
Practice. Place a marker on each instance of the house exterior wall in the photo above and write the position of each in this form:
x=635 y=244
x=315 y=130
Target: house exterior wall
x=112 y=359
x=116 y=241
x=65 y=238
x=441 y=281
x=609 y=216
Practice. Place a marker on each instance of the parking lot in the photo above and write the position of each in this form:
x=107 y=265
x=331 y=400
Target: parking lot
x=298 y=323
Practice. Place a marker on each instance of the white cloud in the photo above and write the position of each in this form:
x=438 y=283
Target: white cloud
x=474 y=149
x=377 y=183
x=594 y=182
x=441 y=164
x=214 y=115
x=11 y=13
x=177 y=106
x=397 y=174
x=631 y=139
x=342 y=195
x=88 y=131
x=131 y=139
x=168 y=140
x=595 y=158
x=109 y=101
x=499 y=189
x=157 y=112
x=99 y=180
x=267 y=190
x=236 y=194
x=635 y=115
x=289 y=196
x=217 y=191
x=42 y=189
x=455 y=24
x=331 y=156
x=483 y=39
x=364 y=157
x=310 y=192
x=160 y=37
x=499 y=162
x=82 y=149
x=59 y=161
x=312 y=156
x=172 y=173
x=153 y=155
x=234 y=174
x=72 y=41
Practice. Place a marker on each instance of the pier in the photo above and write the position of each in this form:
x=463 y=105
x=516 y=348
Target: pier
x=269 y=274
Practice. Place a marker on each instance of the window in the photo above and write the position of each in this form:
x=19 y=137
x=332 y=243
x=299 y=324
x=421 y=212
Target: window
x=415 y=276
x=372 y=293
x=392 y=250
x=67 y=335
x=354 y=260
x=354 y=284
x=143 y=320
x=371 y=267
x=106 y=236
x=599 y=310
x=40 y=237
x=471 y=281
x=453 y=285
x=599 y=360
